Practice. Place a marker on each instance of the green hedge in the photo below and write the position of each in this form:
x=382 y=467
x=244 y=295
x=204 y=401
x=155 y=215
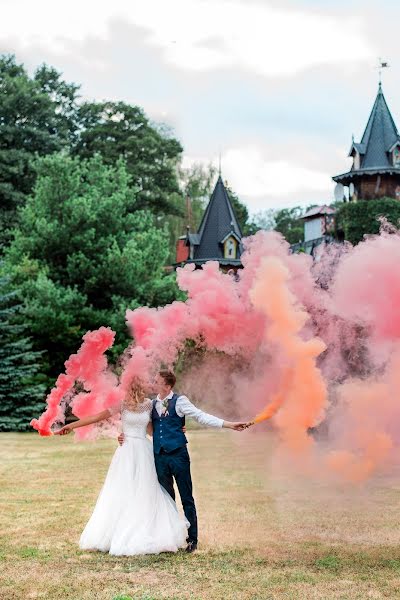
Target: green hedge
x=356 y=219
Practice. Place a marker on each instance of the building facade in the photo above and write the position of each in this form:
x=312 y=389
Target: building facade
x=375 y=172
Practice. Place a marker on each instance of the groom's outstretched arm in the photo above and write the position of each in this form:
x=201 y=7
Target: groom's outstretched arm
x=185 y=408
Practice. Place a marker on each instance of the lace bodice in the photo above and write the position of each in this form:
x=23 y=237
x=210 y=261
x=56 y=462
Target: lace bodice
x=134 y=422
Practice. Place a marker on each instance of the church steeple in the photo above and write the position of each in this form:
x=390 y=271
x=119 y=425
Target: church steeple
x=376 y=159
x=219 y=236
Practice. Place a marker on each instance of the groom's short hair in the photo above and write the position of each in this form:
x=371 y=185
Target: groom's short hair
x=168 y=376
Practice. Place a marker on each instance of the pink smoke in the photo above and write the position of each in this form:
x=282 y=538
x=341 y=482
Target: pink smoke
x=367 y=286
x=88 y=366
x=305 y=340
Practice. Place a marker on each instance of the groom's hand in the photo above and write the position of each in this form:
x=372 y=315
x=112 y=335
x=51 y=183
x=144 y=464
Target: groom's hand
x=121 y=438
x=235 y=425
x=239 y=426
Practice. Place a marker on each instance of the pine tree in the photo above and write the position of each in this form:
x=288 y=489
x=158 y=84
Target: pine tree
x=21 y=391
x=82 y=254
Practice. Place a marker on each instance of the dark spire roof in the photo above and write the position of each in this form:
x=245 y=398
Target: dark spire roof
x=219 y=220
x=379 y=136
x=378 y=140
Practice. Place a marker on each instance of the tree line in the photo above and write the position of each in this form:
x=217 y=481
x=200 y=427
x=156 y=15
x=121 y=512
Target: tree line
x=91 y=194
x=93 y=197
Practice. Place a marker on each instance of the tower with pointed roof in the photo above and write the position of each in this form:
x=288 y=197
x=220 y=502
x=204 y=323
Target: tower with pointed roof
x=219 y=237
x=375 y=172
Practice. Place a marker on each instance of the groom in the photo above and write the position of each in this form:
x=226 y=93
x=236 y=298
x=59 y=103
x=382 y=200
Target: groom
x=169 y=443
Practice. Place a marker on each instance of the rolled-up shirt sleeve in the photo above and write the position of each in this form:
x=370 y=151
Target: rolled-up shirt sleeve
x=185 y=408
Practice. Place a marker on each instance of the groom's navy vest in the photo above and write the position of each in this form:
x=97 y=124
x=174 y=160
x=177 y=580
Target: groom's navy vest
x=167 y=429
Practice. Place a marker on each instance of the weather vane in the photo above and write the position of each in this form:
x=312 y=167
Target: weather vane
x=382 y=65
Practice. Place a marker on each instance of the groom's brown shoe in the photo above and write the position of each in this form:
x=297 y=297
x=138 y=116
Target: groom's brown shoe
x=191 y=547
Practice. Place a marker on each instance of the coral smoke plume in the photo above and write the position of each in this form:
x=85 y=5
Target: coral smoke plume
x=302 y=399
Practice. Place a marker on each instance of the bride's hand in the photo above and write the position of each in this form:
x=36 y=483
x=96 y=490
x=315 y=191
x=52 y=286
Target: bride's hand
x=64 y=430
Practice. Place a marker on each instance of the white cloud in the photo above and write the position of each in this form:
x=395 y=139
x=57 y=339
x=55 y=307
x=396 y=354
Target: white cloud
x=164 y=56
x=200 y=34
x=265 y=183
x=255 y=37
x=250 y=174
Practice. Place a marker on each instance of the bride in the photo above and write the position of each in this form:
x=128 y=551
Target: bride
x=133 y=513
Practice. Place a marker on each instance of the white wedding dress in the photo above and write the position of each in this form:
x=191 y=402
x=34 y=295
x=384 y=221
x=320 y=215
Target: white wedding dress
x=133 y=513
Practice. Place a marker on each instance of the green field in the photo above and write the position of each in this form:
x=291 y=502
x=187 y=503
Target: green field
x=261 y=535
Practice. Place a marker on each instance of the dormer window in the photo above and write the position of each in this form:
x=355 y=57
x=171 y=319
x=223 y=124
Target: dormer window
x=356 y=160
x=396 y=156
x=230 y=246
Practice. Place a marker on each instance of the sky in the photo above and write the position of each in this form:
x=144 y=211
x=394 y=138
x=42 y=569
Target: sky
x=277 y=88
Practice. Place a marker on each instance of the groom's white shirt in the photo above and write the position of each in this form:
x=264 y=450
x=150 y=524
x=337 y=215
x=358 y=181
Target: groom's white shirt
x=184 y=408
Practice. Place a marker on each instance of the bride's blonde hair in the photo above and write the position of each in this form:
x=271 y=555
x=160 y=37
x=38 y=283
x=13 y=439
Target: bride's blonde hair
x=135 y=395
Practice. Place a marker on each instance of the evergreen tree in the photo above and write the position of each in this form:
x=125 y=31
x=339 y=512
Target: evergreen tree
x=82 y=254
x=21 y=391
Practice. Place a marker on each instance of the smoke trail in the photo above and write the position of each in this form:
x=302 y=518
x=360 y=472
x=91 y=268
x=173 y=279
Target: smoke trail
x=88 y=366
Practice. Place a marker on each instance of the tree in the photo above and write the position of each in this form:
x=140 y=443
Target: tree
x=246 y=224
x=21 y=388
x=289 y=224
x=118 y=130
x=196 y=183
x=36 y=116
x=264 y=220
x=240 y=209
x=63 y=96
x=356 y=219
x=82 y=254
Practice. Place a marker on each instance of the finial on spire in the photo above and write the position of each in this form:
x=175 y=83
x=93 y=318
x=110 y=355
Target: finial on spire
x=381 y=65
x=219 y=164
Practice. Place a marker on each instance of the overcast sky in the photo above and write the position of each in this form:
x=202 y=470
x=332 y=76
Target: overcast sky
x=276 y=87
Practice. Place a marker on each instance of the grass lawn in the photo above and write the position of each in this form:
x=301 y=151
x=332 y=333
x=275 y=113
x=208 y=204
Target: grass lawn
x=261 y=535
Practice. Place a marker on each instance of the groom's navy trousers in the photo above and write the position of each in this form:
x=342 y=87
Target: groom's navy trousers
x=172 y=460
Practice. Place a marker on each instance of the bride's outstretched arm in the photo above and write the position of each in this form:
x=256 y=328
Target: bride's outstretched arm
x=105 y=414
